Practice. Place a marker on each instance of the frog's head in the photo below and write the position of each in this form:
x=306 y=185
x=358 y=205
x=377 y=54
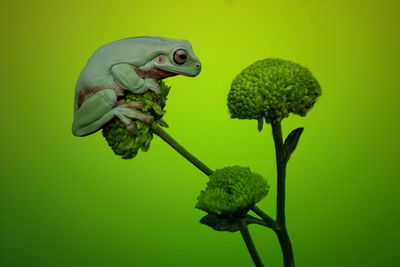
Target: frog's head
x=179 y=59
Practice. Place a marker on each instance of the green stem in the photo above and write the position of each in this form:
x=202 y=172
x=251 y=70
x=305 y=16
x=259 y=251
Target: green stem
x=250 y=244
x=271 y=223
x=180 y=149
x=281 y=232
x=286 y=247
x=207 y=171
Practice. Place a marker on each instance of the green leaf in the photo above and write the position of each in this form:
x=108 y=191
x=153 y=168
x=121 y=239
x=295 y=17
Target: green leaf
x=145 y=129
x=139 y=125
x=222 y=224
x=145 y=146
x=157 y=109
x=162 y=123
x=164 y=88
x=291 y=141
x=148 y=97
x=260 y=123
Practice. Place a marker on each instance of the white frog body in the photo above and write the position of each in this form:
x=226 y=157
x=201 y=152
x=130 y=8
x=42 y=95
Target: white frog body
x=132 y=64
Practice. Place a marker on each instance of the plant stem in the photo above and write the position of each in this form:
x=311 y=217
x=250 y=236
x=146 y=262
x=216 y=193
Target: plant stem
x=271 y=223
x=281 y=232
x=250 y=244
x=207 y=171
x=279 y=226
x=286 y=247
x=180 y=149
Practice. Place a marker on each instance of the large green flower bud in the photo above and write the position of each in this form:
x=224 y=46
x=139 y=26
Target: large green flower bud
x=272 y=88
x=232 y=191
x=125 y=143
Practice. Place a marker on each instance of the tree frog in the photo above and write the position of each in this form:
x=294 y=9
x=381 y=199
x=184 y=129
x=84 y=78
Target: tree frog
x=133 y=64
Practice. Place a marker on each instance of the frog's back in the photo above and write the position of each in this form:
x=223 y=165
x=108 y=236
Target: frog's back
x=135 y=50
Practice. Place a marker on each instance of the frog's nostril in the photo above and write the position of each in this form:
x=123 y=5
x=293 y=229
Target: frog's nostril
x=197 y=65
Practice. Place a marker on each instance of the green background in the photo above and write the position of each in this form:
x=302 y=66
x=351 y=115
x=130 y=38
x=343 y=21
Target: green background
x=68 y=201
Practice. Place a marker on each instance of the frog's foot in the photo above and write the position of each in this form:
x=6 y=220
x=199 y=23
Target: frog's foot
x=152 y=85
x=94 y=112
x=127 y=112
x=100 y=108
x=132 y=104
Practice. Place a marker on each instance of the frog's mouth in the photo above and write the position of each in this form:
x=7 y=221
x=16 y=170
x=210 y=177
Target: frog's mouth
x=185 y=74
x=155 y=73
x=175 y=72
x=158 y=73
x=188 y=71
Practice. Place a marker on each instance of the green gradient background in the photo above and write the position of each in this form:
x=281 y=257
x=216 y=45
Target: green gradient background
x=68 y=201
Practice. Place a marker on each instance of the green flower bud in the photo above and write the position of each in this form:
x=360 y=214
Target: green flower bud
x=232 y=191
x=272 y=88
x=127 y=144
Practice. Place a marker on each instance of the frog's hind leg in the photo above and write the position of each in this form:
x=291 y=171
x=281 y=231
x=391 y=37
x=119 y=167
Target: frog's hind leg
x=100 y=108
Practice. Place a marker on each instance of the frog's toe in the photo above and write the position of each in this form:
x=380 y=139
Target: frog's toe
x=133 y=104
x=126 y=114
x=131 y=127
x=149 y=119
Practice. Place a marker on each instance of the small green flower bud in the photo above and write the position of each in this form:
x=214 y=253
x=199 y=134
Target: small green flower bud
x=232 y=191
x=127 y=144
x=272 y=88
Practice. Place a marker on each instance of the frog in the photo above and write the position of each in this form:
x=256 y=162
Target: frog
x=130 y=65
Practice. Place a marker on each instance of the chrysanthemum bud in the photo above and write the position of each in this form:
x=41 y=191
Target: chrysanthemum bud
x=232 y=191
x=272 y=88
x=125 y=143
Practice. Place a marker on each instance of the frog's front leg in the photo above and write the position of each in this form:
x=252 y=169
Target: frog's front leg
x=100 y=108
x=126 y=76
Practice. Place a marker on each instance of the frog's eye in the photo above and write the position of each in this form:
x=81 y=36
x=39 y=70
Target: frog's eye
x=180 y=56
